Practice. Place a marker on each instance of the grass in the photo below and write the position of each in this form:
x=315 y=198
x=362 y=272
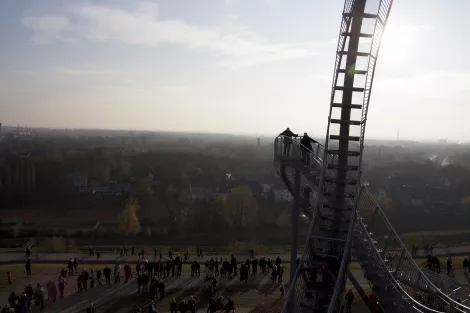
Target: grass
x=449 y=238
x=234 y=247
x=18 y=272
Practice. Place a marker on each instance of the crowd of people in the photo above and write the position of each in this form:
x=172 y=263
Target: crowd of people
x=150 y=275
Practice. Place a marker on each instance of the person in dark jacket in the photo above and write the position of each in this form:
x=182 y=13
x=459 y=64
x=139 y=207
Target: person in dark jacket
x=173 y=306
x=288 y=134
x=152 y=307
x=192 y=305
x=183 y=307
x=349 y=300
x=90 y=309
x=306 y=143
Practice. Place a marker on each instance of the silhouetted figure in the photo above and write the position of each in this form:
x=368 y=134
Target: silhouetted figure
x=288 y=134
x=349 y=300
x=28 y=267
x=306 y=143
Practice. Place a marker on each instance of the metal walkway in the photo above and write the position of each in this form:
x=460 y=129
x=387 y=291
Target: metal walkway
x=325 y=182
x=397 y=281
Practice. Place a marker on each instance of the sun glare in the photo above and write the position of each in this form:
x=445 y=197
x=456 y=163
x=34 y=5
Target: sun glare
x=397 y=42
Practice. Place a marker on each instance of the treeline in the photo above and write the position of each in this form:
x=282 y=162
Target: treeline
x=238 y=210
x=55 y=170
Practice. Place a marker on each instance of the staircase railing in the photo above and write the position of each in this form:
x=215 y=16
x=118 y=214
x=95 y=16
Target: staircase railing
x=388 y=242
x=416 y=305
x=396 y=256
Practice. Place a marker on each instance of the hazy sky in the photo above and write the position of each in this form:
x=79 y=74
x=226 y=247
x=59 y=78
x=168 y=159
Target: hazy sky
x=244 y=66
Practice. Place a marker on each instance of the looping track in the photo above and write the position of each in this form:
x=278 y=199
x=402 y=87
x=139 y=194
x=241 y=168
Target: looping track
x=388 y=266
x=344 y=217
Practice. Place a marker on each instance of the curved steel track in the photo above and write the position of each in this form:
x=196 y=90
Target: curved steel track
x=345 y=218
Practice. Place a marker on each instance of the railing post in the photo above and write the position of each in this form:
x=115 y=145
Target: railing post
x=399 y=262
x=295 y=226
x=361 y=291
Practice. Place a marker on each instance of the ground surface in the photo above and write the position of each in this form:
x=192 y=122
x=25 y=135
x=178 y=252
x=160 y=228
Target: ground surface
x=107 y=257
x=15 y=257
x=120 y=297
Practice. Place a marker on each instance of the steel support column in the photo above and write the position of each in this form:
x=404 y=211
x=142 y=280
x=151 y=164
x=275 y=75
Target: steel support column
x=361 y=291
x=343 y=146
x=295 y=226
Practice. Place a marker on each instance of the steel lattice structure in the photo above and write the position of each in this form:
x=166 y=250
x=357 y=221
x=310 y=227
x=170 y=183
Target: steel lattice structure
x=344 y=217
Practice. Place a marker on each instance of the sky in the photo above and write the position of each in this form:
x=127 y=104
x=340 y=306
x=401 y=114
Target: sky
x=230 y=66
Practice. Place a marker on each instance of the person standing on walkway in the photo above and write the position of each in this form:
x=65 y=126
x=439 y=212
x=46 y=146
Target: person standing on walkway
x=92 y=278
x=28 y=267
x=90 y=309
x=288 y=135
x=349 y=300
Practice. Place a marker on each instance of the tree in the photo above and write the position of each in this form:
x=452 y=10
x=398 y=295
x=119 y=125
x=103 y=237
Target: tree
x=284 y=220
x=55 y=244
x=466 y=204
x=240 y=207
x=145 y=189
x=128 y=221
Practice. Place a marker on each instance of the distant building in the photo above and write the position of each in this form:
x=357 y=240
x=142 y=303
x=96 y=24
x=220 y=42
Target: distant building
x=227 y=185
x=80 y=181
x=282 y=195
x=381 y=194
x=199 y=192
x=267 y=188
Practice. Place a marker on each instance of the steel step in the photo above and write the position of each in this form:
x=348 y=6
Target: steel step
x=350 y=138
x=348 y=153
x=364 y=15
x=349 y=106
x=356 y=89
x=346 y=122
x=328 y=238
x=350 y=72
x=337 y=194
x=347 y=207
x=346 y=168
x=358 y=54
x=334 y=180
x=363 y=35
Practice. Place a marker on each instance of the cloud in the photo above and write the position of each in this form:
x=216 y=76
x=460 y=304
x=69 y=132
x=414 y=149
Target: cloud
x=84 y=72
x=437 y=85
x=142 y=26
x=47 y=28
x=322 y=77
x=421 y=28
x=98 y=78
x=175 y=89
x=25 y=72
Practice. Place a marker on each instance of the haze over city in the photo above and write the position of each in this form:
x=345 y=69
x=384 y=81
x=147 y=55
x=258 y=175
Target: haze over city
x=264 y=155
x=233 y=66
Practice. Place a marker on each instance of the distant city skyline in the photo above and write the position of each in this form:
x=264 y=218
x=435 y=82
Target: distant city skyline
x=235 y=66
x=255 y=136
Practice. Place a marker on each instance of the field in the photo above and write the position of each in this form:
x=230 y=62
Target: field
x=41 y=273
x=451 y=237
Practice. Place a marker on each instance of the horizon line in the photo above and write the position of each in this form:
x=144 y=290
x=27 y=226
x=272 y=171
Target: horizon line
x=406 y=139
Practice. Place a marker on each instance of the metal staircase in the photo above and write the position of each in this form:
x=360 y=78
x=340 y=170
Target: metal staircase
x=345 y=218
x=397 y=281
x=321 y=276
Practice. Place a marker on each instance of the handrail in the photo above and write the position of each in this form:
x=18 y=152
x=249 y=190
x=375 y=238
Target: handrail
x=395 y=282
x=407 y=253
x=368 y=194
x=305 y=252
x=345 y=260
x=296 y=140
